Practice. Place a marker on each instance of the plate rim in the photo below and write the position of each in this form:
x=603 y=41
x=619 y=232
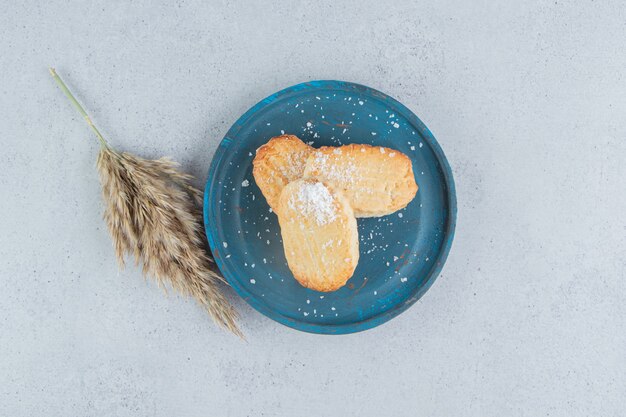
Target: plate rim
x=210 y=226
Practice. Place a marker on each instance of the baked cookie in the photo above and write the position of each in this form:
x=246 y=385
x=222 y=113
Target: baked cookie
x=319 y=234
x=277 y=163
x=377 y=181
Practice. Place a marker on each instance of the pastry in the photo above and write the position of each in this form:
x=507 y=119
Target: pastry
x=319 y=234
x=277 y=163
x=377 y=181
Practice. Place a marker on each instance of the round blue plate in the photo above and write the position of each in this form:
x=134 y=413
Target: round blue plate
x=400 y=254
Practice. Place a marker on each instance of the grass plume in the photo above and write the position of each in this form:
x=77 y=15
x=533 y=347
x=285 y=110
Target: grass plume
x=152 y=213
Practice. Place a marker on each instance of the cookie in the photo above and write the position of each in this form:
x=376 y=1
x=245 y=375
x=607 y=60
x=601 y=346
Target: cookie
x=376 y=180
x=277 y=163
x=319 y=233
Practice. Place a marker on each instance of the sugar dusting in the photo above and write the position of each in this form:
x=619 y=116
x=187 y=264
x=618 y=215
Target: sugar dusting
x=313 y=199
x=343 y=173
x=295 y=164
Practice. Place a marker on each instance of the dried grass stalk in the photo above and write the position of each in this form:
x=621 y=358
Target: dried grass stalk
x=151 y=210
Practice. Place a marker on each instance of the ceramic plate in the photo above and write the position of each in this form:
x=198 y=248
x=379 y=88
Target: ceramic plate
x=400 y=254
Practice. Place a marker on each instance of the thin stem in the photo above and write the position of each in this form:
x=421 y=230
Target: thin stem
x=80 y=108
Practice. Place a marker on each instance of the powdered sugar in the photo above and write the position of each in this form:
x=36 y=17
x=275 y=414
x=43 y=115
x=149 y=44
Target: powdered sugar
x=295 y=164
x=314 y=199
x=340 y=173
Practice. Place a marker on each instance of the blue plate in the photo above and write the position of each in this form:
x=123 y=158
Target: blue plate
x=400 y=254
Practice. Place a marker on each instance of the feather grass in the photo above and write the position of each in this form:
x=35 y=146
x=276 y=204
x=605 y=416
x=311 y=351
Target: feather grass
x=152 y=213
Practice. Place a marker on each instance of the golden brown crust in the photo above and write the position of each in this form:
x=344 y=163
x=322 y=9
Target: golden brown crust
x=320 y=236
x=376 y=180
x=277 y=163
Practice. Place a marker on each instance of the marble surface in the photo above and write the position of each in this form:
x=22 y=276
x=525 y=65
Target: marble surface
x=527 y=99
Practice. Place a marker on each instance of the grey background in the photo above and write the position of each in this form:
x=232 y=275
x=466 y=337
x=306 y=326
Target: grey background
x=528 y=100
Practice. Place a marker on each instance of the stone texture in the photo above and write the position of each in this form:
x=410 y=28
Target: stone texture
x=528 y=100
